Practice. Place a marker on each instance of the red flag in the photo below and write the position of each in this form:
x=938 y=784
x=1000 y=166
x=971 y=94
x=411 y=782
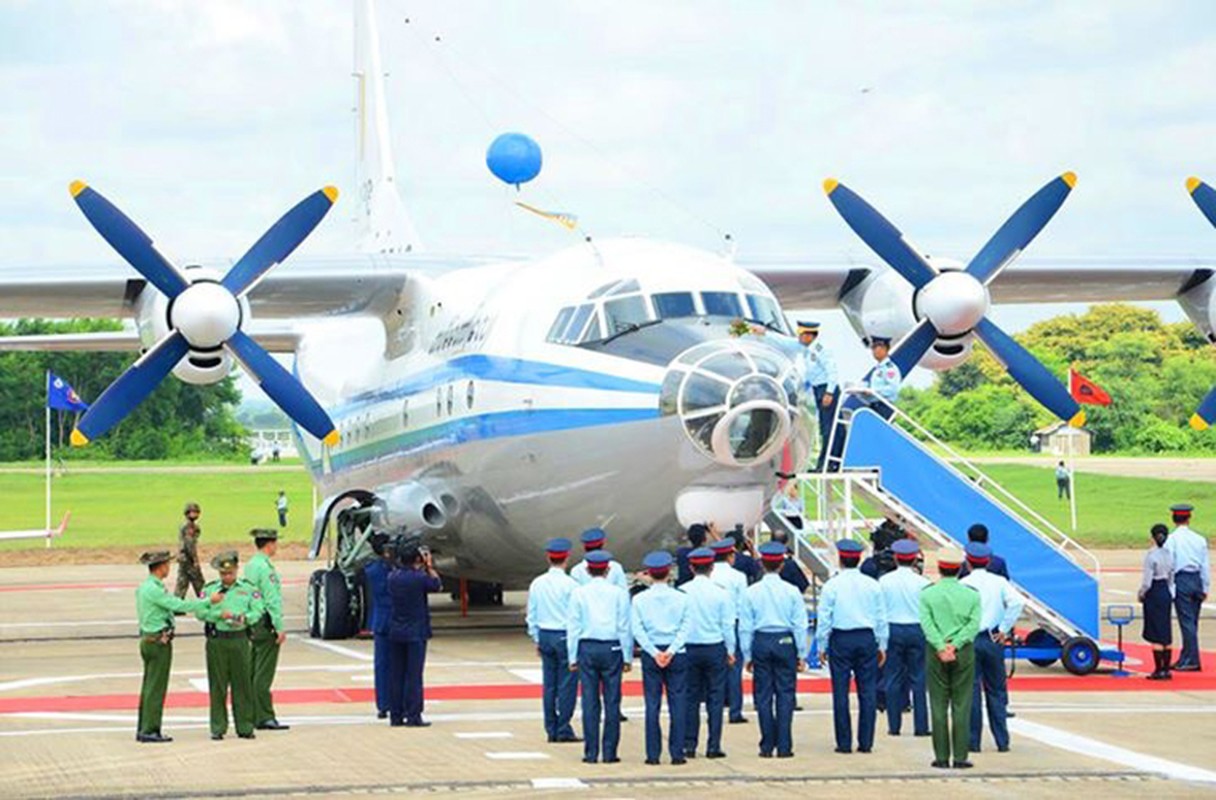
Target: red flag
x=1083 y=390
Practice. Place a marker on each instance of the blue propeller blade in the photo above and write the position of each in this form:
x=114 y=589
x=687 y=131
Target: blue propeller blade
x=1021 y=228
x=122 y=396
x=1032 y=375
x=1204 y=197
x=1206 y=413
x=911 y=349
x=882 y=237
x=282 y=388
x=277 y=243
x=126 y=237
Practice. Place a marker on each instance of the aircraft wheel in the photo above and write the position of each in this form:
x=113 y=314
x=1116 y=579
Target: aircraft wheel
x=333 y=606
x=1041 y=637
x=314 y=618
x=1080 y=655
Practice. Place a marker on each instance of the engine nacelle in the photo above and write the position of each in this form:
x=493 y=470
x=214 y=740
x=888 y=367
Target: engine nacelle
x=199 y=367
x=411 y=506
x=1199 y=303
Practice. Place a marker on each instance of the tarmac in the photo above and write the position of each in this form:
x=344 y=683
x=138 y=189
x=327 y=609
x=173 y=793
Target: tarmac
x=70 y=673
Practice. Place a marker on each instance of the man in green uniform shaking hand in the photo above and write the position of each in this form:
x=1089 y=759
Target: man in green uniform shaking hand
x=236 y=606
x=155 y=608
x=267 y=635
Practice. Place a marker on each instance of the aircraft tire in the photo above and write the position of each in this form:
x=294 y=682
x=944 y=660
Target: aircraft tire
x=333 y=606
x=314 y=620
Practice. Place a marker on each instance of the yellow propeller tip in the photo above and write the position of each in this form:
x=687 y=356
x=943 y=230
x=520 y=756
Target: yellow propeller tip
x=1070 y=178
x=1078 y=419
x=331 y=192
x=76 y=187
x=78 y=439
x=1193 y=183
x=332 y=438
x=830 y=185
x=1198 y=423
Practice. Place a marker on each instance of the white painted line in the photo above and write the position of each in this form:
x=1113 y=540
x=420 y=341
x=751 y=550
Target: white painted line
x=517 y=756
x=558 y=783
x=363 y=677
x=1120 y=592
x=1118 y=755
x=484 y=735
x=25 y=683
x=200 y=684
x=334 y=648
x=532 y=675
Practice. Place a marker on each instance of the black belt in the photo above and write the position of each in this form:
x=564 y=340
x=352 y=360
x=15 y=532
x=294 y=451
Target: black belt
x=214 y=633
x=158 y=637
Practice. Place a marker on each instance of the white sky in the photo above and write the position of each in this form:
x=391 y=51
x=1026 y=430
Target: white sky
x=679 y=120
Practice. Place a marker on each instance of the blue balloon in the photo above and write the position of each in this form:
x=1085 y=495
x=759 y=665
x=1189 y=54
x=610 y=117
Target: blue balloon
x=514 y=158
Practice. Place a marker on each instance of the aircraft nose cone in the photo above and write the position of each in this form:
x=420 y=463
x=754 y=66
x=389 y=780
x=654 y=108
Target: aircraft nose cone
x=736 y=399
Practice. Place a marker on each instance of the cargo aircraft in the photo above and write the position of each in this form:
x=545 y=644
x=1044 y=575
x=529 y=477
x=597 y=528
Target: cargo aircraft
x=630 y=384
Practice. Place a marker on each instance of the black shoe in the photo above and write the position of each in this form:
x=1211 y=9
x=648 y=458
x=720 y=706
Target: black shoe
x=381 y=715
x=675 y=762
x=892 y=733
x=1010 y=715
x=417 y=723
x=715 y=754
x=652 y=762
x=907 y=709
x=615 y=761
x=152 y=738
x=567 y=739
x=863 y=749
x=587 y=760
x=798 y=707
x=926 y=733
x=940 y=765
x=844 y=751
x=246 y=735
x=690 y=754
x=623 y=718
x=963 y=765
x=765 y=755
x=1004 y=749
x=273 y=725
x=739 y=720
x=396 y=723
x=217 y=737
x=1187 y=668
x=786 y=755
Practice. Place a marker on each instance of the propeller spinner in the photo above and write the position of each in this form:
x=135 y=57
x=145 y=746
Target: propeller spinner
x=954 y=303
x=1205 y=198
x=204 y=315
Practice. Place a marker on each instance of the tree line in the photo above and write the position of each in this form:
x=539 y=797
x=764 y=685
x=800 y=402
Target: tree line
x=1156 y=374
x=177 y=420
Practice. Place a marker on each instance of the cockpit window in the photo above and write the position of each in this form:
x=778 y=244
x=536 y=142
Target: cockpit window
x=559 y=324
x=603 y=290
x=722 y=304
x=577 y=323
x=624 y=287
x=766 y=312
x=620 y=314
x=668 y=305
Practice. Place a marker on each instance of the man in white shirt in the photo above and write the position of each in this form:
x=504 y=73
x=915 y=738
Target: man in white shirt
x=905 y=667
x=1192 y=583
x=735 y=583
x=594 y=539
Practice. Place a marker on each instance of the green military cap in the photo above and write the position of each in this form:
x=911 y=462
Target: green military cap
x=264 y=533
x=154 y=557
x=226 y=560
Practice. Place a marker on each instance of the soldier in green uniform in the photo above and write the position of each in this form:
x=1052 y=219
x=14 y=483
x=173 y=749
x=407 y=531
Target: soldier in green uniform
x=268 y=634
x=155 y=608
x=228 y=620
x=189 y=574
x=950 y=618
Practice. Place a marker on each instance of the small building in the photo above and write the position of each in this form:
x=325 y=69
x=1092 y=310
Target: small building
x=1061 y=439
x=264 y=443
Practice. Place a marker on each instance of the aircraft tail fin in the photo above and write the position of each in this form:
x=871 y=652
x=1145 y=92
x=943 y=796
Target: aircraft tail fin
x=385 y=224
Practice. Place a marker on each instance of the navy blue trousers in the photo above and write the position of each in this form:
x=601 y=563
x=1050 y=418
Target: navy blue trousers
x=599 y=669
x=826 y=415
x=406 y=661
x=734 y=681
x=854 y=654
x=674 y=681
x=380 y=659
x=990 y=679
x=905 y=670
x=706 y=683
x=1188 y=589
x=560 y=685
x=774 y=685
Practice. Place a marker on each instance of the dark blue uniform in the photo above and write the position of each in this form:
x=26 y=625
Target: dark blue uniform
x=376 y=575
x=409 y=630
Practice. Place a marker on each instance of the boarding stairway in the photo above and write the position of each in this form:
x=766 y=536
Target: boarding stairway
x=894 y=468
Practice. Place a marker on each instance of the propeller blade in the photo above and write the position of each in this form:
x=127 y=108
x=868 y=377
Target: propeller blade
x=122 y=396
x=1204 y=197
x=282 y=388
x=1030 y=373
x=1020 y=229
x=126 y=237
x=280 y=240
x=1206 y=413
x=908 y=352
x=881 y=236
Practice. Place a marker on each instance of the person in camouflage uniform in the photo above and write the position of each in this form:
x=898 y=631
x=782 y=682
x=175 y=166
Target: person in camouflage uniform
x=189 y=574
x=268 y=635
x=227 y=623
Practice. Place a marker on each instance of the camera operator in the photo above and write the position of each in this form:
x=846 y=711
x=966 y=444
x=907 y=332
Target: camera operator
x=409 y=630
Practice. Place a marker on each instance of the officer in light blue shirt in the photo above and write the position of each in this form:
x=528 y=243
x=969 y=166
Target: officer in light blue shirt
x=819 y=381
x=600 y=649
x=595 y=539
x=735 y=582
x=711 y=644
x=905 y=667
x=547 y=615
x=885 y=378
x=1000 y=607
x=852 y=634
x=1192 y=583
x=773 y=630
x=661 y=624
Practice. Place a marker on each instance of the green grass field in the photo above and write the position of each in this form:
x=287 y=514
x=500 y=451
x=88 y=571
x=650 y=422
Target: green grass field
x=144 y=507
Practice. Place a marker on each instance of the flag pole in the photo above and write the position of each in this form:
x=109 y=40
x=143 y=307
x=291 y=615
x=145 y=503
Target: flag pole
x=47 y=407
x=1072 y=472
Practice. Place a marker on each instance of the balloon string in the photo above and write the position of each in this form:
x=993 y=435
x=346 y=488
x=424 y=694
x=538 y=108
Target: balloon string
x=589 y=144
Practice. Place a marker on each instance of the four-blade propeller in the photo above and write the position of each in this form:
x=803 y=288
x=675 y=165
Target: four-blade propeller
x=203 y=315
x=1204 y=197
x=954 y=303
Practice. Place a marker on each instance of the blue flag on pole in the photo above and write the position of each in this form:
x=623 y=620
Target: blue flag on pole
x=62 y=397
